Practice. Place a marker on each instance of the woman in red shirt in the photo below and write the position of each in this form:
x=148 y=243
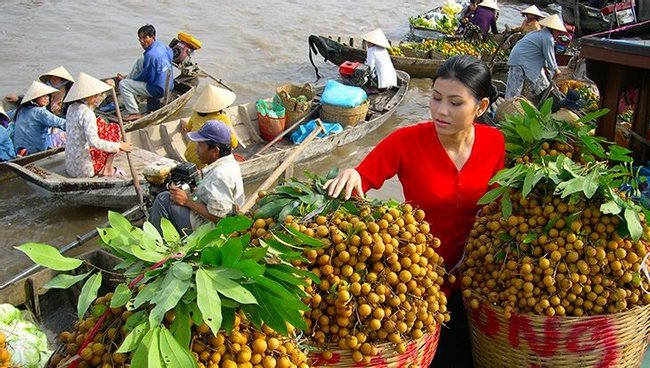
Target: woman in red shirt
x=444 y=166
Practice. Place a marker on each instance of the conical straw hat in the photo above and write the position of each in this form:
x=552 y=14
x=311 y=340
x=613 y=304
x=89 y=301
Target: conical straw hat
x=553 y=22
x=532 y=10
x=60 y=72
x=85 y=86
x=2 y=111
x=377 y=37
x=213 y=99
x=36 y=90
x=489 y=4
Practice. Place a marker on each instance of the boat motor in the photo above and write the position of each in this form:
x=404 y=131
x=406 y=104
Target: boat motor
x=354 y=73
x=183 y=46
x=161 y=174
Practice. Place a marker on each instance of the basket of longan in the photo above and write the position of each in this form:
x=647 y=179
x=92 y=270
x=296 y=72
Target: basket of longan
x=379 y=301
x=555 y=284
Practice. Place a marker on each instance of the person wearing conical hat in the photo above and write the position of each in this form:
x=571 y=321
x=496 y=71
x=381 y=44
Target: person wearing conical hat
x=33 y=120
x=377 y=58
x=7 y=151
x=90 y=150
x=60 y=79
x=532 y=15
x=531 y=55
x=209 y=106
x=485 y=18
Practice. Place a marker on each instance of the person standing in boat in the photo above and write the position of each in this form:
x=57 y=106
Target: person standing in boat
x=149 y=74
x=7 y=151
x=83 y=137
x=444 y=166
x=530 y=55
x=485 y=18
x=209 y=106
x=219 y=193
x=532 y=15
x=32 y=119
x=382 y=71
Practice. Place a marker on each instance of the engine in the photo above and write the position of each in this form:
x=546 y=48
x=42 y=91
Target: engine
x=183 y=46
x=354 y=73
x=164 y=172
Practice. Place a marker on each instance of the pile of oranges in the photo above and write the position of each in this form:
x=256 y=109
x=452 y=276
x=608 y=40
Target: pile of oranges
x=5 y=356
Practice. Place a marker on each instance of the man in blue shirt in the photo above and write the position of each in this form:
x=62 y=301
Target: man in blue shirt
x=6 y=145
x=531 y=55
x=148 y=76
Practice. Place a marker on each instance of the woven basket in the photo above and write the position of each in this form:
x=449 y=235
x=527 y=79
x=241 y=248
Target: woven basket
x=510 y=107
x=616 y=340
x=419 y=352
x=344 y=115
x=295 y=110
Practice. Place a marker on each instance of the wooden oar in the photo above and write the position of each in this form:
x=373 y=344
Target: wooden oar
x=280 y=169
x=77 y=242
x=286 y=131
x=134 y=174
x=214 y=78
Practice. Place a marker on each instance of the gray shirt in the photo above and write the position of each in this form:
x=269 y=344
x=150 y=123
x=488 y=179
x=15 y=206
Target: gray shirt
x=221 y=189
x=533 y=52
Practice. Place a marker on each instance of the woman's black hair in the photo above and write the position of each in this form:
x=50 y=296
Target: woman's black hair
x=472 y=73
x=224 y=149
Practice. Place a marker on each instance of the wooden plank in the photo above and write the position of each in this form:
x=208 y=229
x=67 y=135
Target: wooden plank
x=245 y=117
x=169 y=147
x=145 y=140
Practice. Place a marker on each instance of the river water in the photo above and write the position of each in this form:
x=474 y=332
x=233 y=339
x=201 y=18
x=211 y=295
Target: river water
x=253 y=46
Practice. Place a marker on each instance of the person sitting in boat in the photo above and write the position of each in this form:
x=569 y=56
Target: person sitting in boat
x=58 y=78
x=570 y=106
x=530 y=55
x=532 y=16
x=467 y=14
x=32 y=119
x=7 y=151
x=377 y=58
x=219 y=193
x=485 y=18
x=90 y=151
x=149 y=73
x=209 y=106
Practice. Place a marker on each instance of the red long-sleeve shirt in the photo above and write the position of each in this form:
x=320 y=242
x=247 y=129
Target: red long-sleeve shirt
x=432 y=182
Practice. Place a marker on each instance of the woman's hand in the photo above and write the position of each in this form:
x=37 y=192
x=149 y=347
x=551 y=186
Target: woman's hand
x=126 y=146
x=184 y=125
x=348 y=179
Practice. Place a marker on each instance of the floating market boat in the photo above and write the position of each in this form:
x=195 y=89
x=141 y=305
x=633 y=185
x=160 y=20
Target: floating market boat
x=586 y=18
x=168 y=140
x=339 y=49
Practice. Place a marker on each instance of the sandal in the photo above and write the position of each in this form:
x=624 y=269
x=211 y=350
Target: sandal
x=118 y=172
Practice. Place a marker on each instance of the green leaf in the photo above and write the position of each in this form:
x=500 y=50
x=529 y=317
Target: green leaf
x=528 y=182
x=154 y=360
x=119 y=222
x=147 y=293
x=64 y=281
x=48 y=256
x=193 y=241
x=180 y=327
x=545 y=110
x=524 y=133
x=529 y=109
x=272 y=209
x=212 y=256
x=208 y=299
x=621 y=154
x=170 y=234
x=121 y=296
x=633 y=224
x=125 y=264
x=610 y=207
x=140 y=357
x=572 y=186
x=590 y=185
x=233 y=249
x=529 y=238
x=250 y=268
x=500 y=255
x=181 y=270
x=284 y=276
x=492 y=195
x=229 y=225
x=137 y=318
x=133 y=339
x=506 y=204
x=536 y=130
x=593 y=116
x=172 y=291
x=146 y=253
x=231 y=289
x=173 y=354
x=228 y=319
x=255 y=254
x=304 y=238
x=151 y=238
x=88 y=294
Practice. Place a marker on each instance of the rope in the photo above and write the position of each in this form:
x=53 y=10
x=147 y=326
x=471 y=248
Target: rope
x=646 y=272
x=314 y=47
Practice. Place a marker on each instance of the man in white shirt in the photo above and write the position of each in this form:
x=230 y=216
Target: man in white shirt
x=219 y=193
x=381 y=67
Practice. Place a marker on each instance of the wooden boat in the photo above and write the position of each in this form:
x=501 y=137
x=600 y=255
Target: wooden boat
x=168 y=140
x=586 y=18
x=184 y=89
x=340 y=49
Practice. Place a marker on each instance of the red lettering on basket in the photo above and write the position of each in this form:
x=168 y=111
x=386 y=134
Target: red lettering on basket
x=543 y=344
x=491 y=325
x=319 y=360
x=592 y=334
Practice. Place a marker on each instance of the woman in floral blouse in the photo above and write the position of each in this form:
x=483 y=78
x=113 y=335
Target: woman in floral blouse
x=89 y=150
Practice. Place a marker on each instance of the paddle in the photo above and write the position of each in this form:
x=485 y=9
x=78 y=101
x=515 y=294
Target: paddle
x=79 y=241
x=286 y=131
x=496 y=51
x=134 y=174
x=280 y=169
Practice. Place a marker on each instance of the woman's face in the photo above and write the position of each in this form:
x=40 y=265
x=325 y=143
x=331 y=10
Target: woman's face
x=453 y=106
x=43 y=100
